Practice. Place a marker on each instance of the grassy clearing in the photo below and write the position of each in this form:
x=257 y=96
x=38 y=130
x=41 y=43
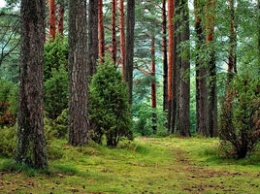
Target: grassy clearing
x=148 y=165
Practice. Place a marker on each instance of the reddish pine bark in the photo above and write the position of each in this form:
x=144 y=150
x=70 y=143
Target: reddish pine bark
x=170 y=64
x=122 y=37
x=164 y=55
x=114 y=49
x=101 y=36
x=52 y=16
x=61 y=12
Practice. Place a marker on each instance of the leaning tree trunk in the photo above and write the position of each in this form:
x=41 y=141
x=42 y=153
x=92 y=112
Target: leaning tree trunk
x=184 y=96
x=78 y=73
x=201 y=73
x=122 y=37
x=31 y=141
x=129 y=63
x=93 y=37
x=212 y=106
x=164 y=56
x=52 y=17
x=171 y=117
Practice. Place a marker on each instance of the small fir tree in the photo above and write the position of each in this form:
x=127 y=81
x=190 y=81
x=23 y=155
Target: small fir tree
x=110 y=113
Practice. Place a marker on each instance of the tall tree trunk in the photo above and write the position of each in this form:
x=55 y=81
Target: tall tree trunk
x=164 y=56
x=122 y=37
x=212 y=107
x=101 y=35
x=129 y=63
x=78 y=73
x=258 y=34
x=52 y=16
x=201 y=72
x=31 y=141
x=61 y=11
x=171 y=117
x=232 y=59
x=184 y=97
x=114 y=49
x=93 y=36
x=153 y=86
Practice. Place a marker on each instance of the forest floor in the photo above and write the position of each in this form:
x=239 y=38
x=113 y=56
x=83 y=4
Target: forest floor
x=145 y=166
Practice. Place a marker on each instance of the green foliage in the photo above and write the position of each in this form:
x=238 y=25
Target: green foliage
x=55 y=77
x=108 y=105
x=8 y=141
x=56 y=92
x=8 y=102
x=143 y=122
x=240 y=128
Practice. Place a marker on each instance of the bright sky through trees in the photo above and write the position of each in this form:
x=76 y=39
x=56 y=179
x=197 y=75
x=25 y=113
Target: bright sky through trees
x=2 y=3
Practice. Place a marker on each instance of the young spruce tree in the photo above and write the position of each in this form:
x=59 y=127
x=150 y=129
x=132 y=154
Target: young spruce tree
x=109 y=106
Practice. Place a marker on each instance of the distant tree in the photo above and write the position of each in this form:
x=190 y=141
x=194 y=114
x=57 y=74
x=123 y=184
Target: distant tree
x=101 y=35
x=164 y=55
x=52 y=18
x=61 y=11
x=122 y=37
x=31 y=141
x=129 y=63
x=78 y=74
x=113 y=24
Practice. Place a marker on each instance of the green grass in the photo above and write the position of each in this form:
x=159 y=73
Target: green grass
x=147 y=165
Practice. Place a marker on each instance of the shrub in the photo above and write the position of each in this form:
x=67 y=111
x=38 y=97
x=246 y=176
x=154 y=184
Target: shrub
x=8 y=141
x=240 y=128
x=56 y=93
x=108 y=105
x=55 y=77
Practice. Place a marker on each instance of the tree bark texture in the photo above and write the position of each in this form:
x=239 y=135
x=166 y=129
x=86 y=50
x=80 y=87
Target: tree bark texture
x=232 y=59
x=164 y=56
x=171 y=116
x=114 y=44
x=61 y=11
x=78 y=73
x=93 y=37
x=101 y=35
x=52 y=16
x=153 y=85
x=129 y=63
x=212 y=107
x=31 y=141
x=201 y=73
x=122 y=37
x=184 y=83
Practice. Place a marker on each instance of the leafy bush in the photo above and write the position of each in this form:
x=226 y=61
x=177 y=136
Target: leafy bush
x=108 y=105
x=240 y=118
